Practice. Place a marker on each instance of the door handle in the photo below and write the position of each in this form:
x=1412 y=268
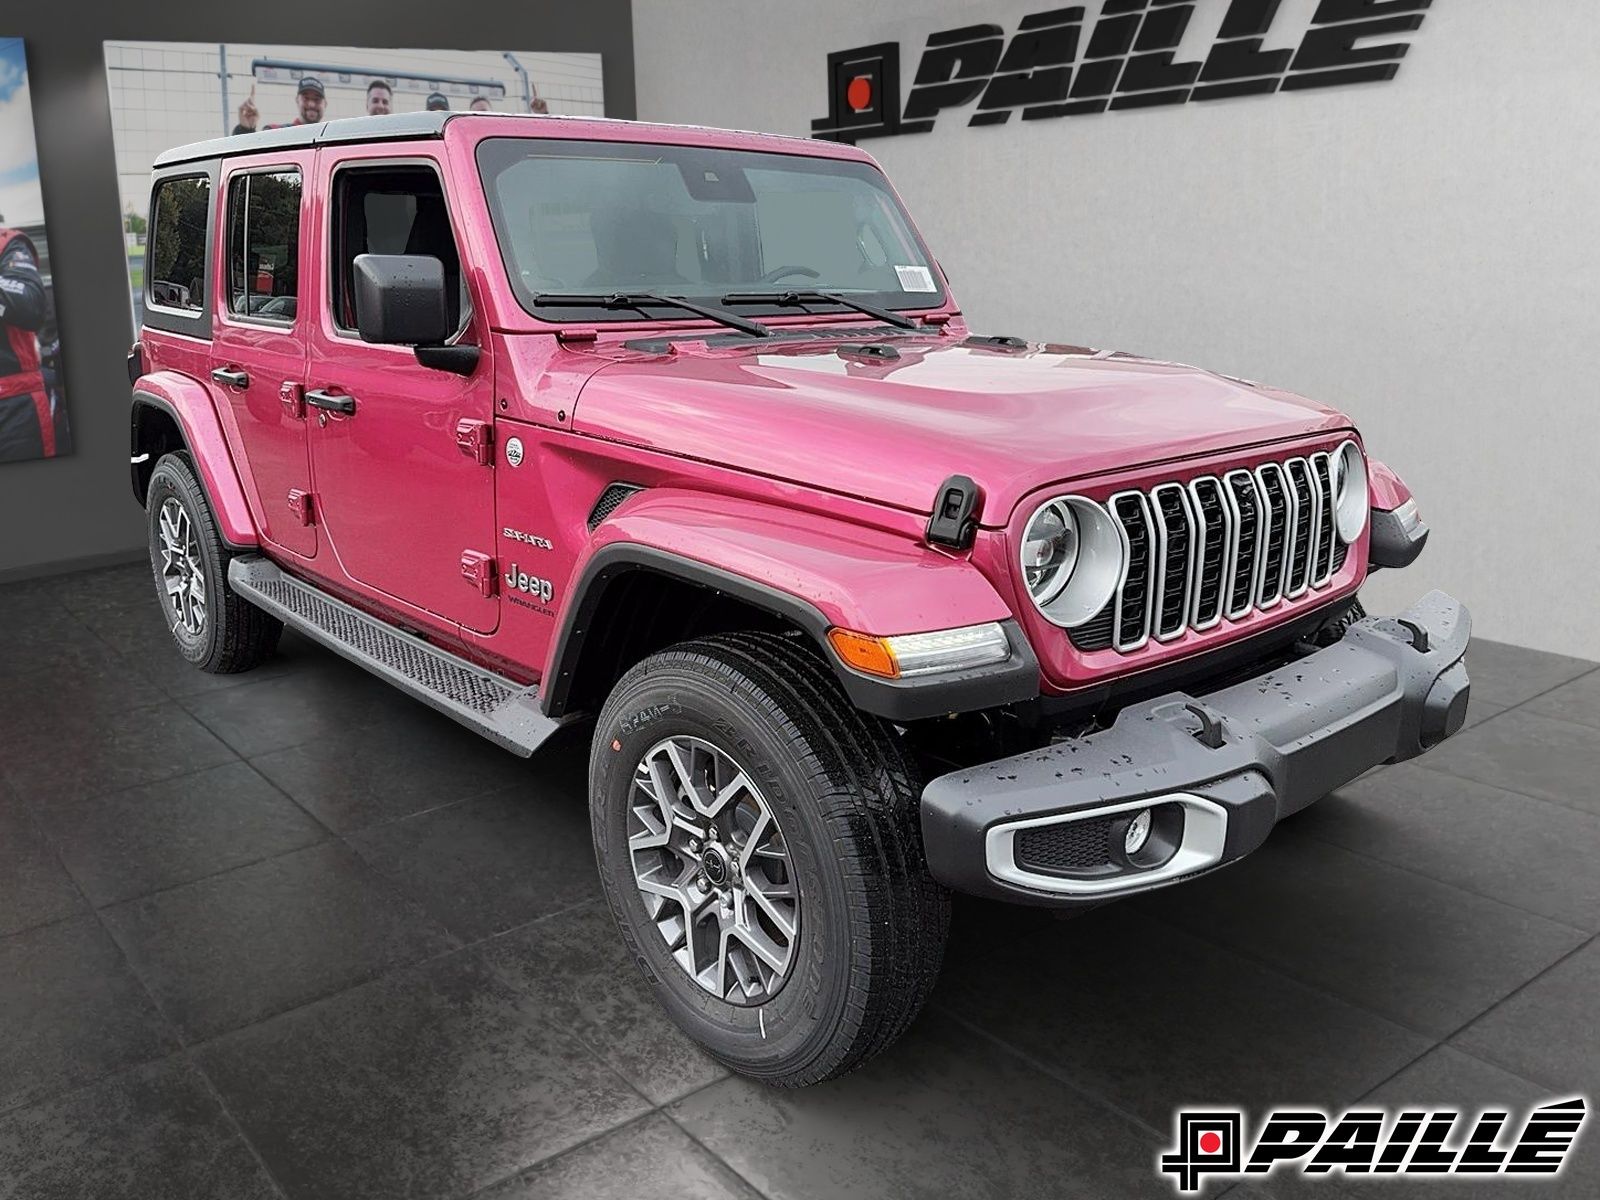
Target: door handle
x=331 y=401
x=231 y=377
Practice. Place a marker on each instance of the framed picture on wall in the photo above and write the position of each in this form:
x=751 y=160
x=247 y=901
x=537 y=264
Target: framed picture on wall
x=33 y=411
x=167 y=94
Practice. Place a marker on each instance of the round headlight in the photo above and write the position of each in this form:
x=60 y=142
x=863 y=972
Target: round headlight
x=1049 y=551
x=1071 y=558
x=1350 y=492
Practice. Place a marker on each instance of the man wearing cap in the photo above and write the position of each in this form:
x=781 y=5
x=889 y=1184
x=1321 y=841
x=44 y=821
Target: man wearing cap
x=437 y=102
x=312 y=101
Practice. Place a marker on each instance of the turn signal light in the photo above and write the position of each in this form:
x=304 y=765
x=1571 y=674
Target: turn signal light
x=865 y=653
x=910 y=654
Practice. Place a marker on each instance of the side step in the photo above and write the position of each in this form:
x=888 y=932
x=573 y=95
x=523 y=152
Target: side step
x=505 y=712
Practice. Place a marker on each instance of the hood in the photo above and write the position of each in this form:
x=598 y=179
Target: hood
x=893 y=430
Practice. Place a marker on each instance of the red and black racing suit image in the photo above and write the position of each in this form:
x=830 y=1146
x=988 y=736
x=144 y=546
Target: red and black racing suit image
x=27 y=416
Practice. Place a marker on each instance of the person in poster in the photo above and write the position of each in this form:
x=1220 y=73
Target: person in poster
x=32 y=417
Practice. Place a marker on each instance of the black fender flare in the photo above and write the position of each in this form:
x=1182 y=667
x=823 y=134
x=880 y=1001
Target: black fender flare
x=1017 y=678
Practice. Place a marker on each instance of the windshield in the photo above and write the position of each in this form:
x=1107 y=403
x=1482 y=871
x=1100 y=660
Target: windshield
x=605 y=217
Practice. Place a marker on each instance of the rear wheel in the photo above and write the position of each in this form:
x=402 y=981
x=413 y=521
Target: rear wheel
x=213 y=628
x=759 y=843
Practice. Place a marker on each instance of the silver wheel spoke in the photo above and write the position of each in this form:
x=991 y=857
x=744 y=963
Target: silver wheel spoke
x=712 y=868
x=768 y=904
x=183 y=577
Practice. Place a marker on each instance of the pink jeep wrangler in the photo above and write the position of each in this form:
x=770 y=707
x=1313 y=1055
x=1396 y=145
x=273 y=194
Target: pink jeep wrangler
x=681 y=432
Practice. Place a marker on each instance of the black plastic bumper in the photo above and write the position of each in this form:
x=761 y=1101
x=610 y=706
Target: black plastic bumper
x=1219 y=770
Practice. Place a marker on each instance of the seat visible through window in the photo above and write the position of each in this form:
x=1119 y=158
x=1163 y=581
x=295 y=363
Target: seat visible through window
x=391 y=210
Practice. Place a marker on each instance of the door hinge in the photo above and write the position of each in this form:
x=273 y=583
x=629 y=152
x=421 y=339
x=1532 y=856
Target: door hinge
x=293 y=398
x=303 y=506
x=476 y=440
x=477 y=568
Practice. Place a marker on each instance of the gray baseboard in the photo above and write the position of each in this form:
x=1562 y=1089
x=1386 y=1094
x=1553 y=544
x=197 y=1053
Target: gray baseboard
x=66 y=566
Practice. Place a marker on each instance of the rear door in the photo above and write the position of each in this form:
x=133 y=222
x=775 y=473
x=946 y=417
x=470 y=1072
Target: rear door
x=258 y=345
x=406 y=505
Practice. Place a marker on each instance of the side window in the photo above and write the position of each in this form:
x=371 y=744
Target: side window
x=392 y=209
x=176 y=271
x=264 y=245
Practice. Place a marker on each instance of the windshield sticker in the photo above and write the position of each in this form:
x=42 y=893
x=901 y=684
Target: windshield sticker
x=915 y=279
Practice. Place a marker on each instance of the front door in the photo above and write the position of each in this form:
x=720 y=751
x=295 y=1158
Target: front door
x=258 y=345
x=402 y=505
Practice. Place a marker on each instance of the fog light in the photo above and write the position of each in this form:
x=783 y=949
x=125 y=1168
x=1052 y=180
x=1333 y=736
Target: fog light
x=1137 y=834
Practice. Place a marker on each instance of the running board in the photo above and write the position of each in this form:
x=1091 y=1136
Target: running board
x=503 y=711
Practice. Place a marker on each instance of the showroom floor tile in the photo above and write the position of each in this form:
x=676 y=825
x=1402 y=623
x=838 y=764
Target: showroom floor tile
x=288 y=934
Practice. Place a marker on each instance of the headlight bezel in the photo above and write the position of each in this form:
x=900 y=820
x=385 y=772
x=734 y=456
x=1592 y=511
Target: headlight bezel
x=1099 y=561
x=1351 y=508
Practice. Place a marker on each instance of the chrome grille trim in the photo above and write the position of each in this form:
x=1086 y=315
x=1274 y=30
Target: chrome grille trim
x=1308 y=516
x=1217 y=546
x=1165 y=603
x=1276 y=521
x=1322 y=477
x=1138 y=609
x=1244 y=566
x=1224 y=531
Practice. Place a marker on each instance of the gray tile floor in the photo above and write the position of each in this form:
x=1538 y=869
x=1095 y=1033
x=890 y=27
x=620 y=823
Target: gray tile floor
x=291 y=934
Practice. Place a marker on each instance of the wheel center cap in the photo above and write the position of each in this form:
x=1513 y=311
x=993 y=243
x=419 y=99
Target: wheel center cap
x=714 y=862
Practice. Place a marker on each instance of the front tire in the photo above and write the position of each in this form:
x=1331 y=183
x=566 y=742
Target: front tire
x=759 y=844
x=216 y=630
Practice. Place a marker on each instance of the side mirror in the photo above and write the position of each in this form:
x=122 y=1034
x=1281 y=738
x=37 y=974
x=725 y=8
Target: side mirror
x=400 y=300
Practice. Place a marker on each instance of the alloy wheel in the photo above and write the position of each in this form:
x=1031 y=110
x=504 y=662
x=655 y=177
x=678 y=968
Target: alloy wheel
x=183 y=576
x=712 y=867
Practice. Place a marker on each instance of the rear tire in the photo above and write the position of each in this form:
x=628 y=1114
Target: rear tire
x=213 y=628
x=844 y=840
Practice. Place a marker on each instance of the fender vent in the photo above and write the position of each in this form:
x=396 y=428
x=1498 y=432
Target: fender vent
x=614 y=495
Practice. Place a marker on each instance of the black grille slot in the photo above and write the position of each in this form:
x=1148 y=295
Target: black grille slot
x=1213 y=514
x=1339 y=552
x=1133 y=614
x=1241 y=585
x=1172 y=506
x=1066 y=846
x=614 y=495
x=1095 y=633
x=1275 y=512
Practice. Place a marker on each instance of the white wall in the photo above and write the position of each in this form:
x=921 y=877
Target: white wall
x=1423 y=253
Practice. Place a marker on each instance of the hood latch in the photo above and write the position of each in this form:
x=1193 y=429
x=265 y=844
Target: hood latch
x=954 y=522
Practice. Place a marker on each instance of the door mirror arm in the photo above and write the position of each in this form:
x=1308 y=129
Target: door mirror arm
x=458 y=360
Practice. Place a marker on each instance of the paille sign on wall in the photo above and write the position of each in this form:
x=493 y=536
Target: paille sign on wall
x=1127 y=61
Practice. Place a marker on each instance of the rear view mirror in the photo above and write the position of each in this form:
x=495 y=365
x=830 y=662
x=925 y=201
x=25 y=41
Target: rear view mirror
x=401 y=300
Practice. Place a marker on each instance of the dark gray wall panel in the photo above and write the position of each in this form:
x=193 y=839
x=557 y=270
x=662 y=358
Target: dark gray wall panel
x=79 y=510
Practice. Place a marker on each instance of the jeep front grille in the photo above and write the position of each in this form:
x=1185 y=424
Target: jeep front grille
x=1218 y=547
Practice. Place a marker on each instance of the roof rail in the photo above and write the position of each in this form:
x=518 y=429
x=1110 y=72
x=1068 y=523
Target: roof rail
x=322 y=133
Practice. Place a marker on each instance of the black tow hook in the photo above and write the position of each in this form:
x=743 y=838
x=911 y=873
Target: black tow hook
x=1209 y=734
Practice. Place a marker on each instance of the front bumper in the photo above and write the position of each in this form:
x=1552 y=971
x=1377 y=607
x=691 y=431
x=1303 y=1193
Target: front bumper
x=1218 y=771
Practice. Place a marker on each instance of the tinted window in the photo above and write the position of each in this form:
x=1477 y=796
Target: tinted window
x=176 y=271
x=587 y=217
x=391 y=210
x=264 y=245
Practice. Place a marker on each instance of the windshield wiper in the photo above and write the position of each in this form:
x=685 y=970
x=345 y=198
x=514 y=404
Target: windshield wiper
x=643 y=300
x=791 y=299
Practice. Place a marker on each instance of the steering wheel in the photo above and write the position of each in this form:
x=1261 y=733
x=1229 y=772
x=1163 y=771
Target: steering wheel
x=778 y=273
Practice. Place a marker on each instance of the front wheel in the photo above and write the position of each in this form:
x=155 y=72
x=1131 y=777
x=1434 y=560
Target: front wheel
x=759 y=844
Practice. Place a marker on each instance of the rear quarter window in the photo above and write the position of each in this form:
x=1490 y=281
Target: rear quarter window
x=175 y=274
